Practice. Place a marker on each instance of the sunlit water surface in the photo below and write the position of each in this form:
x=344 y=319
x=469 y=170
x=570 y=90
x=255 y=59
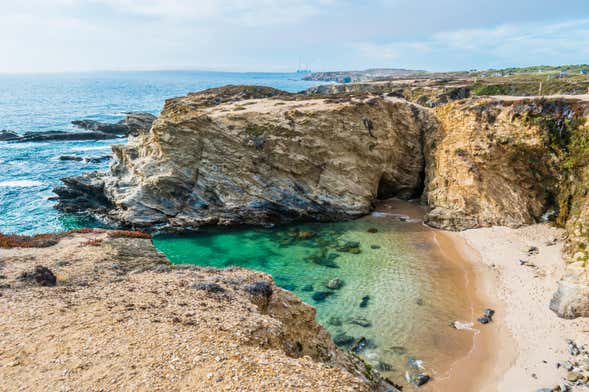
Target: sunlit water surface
x=412 y=290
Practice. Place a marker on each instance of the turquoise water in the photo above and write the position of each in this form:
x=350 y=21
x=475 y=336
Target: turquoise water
x=412 y=292
x=28 y=172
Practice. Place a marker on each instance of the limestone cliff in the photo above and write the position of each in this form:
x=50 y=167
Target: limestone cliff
x=489 y=164
x=104 y=311
x=222 y=157
x=514 y=162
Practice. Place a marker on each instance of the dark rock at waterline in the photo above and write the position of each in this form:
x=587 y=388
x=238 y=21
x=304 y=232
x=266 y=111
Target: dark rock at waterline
x=343 y=339
x=374 y=246
x=71 y=158
x=372 y=230
x=307 y=288
x=335 y=284
x=43 y=276
x=384 y=367
x=573 y=348
x=99 y=159
x=487 y=316
x=320 y=296
x=7 y=136
x=75 y=158
x=133 y=124
x=359 y=345
x=414 y=363
x=63 y=136
x=420 y=379
x=92 y=125
x=82 y=193
x=364 y=302
x=209 y=287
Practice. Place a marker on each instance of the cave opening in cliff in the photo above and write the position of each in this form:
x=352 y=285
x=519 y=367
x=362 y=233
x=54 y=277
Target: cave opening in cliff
x=387 y=188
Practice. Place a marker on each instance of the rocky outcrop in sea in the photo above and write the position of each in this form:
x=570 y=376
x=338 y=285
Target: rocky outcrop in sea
x=133 y=124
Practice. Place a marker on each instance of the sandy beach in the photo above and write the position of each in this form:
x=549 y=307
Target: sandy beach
x=529 y=339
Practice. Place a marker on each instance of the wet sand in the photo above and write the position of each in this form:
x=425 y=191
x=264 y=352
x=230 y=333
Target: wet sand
x=489 y=350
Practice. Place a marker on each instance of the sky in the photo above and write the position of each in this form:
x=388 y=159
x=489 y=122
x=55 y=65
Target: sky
x=266 y=35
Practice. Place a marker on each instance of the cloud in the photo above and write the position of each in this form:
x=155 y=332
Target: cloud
x=248 y=12
x=508 y=44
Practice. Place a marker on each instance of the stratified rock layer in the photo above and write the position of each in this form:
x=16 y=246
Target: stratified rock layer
x=515 y=162
x=222 y=157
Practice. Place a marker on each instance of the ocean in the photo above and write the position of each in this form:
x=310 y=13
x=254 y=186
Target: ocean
x=30 y=103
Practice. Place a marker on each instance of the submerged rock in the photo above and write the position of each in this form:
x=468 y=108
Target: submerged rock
x=335 y=284
x=364 y=302
x=335 y=321
x=324 y=259
x=349 y=247
x=361 y=321
x=307 y=287
x=320 y=296
x=134 y=123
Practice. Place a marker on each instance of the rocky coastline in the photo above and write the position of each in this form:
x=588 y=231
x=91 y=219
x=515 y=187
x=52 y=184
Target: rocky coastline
x=114 y=287
x=133 y=124
x=254 y=155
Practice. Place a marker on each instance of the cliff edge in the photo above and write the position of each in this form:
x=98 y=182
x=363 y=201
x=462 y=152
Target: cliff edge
x=98 y=310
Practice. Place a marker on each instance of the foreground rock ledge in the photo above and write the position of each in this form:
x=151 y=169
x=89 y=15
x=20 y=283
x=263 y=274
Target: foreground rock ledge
x=122 y=318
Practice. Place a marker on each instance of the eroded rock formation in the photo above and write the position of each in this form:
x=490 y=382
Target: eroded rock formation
x=220 y=157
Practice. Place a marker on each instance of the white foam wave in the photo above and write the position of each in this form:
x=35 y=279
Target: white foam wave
x=91 y=148
x=21 y=146
x=19 y=183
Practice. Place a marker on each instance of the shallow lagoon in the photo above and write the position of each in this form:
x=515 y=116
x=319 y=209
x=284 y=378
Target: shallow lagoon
x=399 y=291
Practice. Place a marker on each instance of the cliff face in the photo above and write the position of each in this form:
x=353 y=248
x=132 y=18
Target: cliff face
x=261 y=160
x=118 y=316
x=491 y=164
x=512 y=163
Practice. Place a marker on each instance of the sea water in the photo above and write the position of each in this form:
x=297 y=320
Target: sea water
x=49 y=102
x=399 y=292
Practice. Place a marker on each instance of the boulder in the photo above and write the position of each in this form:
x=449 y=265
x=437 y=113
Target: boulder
x=7 y=136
